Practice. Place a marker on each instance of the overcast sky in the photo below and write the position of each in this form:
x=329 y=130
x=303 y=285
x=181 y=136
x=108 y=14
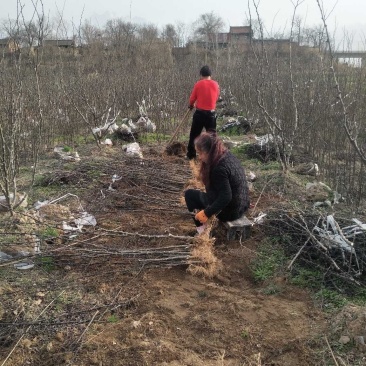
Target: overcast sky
x=276 y=14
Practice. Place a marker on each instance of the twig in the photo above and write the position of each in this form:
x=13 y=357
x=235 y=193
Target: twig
x=65 y=196
x=297 y=254
x=87 y=327
x=222 y=356
x=340 y=359
x=260 y=195
x=259 y=359
x=156 y=236
x=331 y=351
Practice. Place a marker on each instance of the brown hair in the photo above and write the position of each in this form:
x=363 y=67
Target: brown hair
x=209 y=143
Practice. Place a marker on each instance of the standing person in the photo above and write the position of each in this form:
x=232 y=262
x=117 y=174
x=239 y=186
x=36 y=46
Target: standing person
x=204 y=96
x=227 y=192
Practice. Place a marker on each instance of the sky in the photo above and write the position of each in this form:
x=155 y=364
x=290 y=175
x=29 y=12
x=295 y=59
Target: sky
x=345 y=18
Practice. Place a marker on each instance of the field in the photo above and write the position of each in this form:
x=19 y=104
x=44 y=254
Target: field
x=101 y=264
x=131 y=291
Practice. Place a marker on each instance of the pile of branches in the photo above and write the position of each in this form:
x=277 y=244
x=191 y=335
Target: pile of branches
x=139 y=209
x=335 y=246
x=144 y=200
x=136 y=252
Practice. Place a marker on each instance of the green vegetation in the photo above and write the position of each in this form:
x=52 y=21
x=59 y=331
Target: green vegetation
x=48 y=233
x=240 y=152
x=149 y=137
x=359 y=296
x=253 y=163
x=271 y=289
x=269 y=261
x=271 y=165
x=67 y=140
x=330 y=300
x=67 y=149
x=66 y=299
x=112 y=319
x=9 y=239
x=202 y=294
x=94 y=174
x=3 y=273
x=307 y=278
x=233 y=131
x=244 y=333
x=83 y=139
x=46 y=263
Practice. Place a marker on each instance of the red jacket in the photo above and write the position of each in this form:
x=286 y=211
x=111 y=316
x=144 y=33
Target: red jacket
x=205 y=94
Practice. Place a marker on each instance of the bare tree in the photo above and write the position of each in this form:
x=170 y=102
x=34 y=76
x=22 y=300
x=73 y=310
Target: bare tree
x=21 y=113
x=181 y=30
x=120 y=34
x=350 y=126
x=169 y=34
x=207 y=26
x=148 y=33
x=314 y=37
x=90 y=34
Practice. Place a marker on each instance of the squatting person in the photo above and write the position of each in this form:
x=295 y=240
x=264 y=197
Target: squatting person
x=227 y=192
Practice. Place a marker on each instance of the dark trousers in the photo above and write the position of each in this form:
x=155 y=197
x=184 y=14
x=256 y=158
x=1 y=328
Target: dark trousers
x=201 y=119
x=195 y=200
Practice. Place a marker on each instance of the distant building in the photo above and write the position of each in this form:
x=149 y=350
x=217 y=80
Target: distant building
x=9 y=45
x=218 y=40
x=63 y=43
x=241 y=39
x=181 y=52
x=240 y=35
x=236 y=37
x=275 y=44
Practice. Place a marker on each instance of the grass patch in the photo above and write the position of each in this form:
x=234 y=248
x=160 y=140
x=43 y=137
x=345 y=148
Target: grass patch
x=152 y=137
x=202 y=294
x=67 y=149
x=271 y=289
x=307 y=278
x=359 y=296
x=244 y=334
x=271 y=165
x=66 y=300
x=46 y=263
x=49 y=233
x=76 y=140
x=112 y=319
x=269 y=261
x=240 y=151
x=330 y=300
x=48 y=192
x=234 y=131
x=329 y=294
x=9 y=239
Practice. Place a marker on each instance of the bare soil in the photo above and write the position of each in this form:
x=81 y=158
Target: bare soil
x=124 y=293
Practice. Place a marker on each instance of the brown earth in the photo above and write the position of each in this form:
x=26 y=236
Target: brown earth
x=125 y=292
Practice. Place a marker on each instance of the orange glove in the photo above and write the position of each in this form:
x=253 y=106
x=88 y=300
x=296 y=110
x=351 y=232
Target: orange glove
x=201 y=217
